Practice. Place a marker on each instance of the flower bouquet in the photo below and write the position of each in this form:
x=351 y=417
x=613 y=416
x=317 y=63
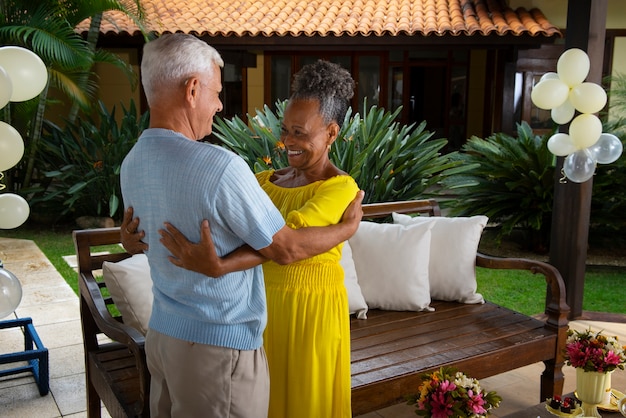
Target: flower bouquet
x=594 y=352
x=594 y=356
x=450 y=393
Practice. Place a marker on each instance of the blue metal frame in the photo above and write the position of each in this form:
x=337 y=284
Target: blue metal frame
x=37 y=358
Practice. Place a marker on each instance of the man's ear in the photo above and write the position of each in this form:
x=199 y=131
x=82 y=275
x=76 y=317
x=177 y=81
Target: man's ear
x=192 y=87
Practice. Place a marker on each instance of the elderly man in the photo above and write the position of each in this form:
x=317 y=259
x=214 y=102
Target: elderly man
x=204 y=344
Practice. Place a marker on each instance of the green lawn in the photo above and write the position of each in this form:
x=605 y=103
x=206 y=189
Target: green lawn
x=605 y=289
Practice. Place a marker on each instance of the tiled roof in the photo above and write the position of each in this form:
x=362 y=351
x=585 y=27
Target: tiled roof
x=333 y=17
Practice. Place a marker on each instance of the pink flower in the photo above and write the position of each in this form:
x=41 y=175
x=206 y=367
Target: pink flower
x=475 y=403
x=447 y=386
x=612 y=358
x=441 y=405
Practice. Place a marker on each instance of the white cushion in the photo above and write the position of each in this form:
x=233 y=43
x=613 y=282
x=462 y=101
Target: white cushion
x=392 y=265
x=356 y=301
x=130 y=285
x=452 y=267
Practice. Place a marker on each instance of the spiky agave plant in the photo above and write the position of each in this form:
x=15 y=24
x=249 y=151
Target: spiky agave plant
x=388 y=160
x=512 y=183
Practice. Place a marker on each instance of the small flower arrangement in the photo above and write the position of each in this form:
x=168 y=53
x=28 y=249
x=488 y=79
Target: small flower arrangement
x=450 y=393
x=594 y=352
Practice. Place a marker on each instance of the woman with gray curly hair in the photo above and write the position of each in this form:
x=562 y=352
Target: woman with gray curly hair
x=307 y=338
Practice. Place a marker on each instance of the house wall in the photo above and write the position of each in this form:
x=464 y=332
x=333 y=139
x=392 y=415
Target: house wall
x=255 y=86
x=556 y=11
x=115 y=88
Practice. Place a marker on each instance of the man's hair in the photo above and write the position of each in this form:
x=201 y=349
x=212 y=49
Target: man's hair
x=171 y=59
x=328 y=83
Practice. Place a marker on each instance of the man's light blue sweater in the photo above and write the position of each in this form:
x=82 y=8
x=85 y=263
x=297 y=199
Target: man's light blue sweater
x=167 y=177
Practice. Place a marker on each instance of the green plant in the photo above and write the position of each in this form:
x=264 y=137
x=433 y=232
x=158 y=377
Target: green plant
x=47 y=28
x=617 y=92
x=83 y=162
x=388 y=160
x=512 y=183
x=608 y=201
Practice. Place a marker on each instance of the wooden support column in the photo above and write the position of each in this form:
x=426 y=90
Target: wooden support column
x=586 y=26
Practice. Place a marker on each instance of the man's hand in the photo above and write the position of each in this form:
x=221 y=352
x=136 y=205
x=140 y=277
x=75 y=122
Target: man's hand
x=131 y=235
x=354 y=212
x=201 y=257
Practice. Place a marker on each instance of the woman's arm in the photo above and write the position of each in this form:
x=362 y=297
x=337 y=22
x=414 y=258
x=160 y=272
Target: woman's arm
x=201 y=257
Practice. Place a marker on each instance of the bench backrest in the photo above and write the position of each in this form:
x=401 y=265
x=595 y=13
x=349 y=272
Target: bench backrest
x=382 y=210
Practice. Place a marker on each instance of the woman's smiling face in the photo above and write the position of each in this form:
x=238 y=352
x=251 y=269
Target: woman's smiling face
x=305 y=135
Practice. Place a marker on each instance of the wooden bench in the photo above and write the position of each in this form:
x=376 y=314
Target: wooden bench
x=389 y=349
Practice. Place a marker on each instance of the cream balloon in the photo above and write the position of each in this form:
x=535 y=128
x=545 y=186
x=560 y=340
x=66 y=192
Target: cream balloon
x=11 y=146
x=6 y=88
x=548 y=76
x=585 y=130
x=26 y=70
x=561 y=144
x=549 y=93
x=14 y=210
x=563 y=114
x=587 y=97
x=573 y=66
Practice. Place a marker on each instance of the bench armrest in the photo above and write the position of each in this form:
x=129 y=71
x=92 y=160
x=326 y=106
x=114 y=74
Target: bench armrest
x=556 y=307
x=100 y=320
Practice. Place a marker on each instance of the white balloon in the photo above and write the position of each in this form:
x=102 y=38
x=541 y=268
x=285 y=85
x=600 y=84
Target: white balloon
x=573 y=66
x=607 y=149
x=549 y=93
x=579 y=166
x=561 y=145
x=6 y=88
x=14 y=210
x=11 y=146
x=548 y=76
x=10 y=292
x=26 y=70
x=585 y=130
x=587 y=97
x=563 y=114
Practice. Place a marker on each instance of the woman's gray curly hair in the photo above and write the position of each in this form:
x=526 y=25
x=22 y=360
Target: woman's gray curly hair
x=328 y=83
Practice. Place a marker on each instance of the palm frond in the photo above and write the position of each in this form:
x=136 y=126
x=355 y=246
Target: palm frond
x=52 y=39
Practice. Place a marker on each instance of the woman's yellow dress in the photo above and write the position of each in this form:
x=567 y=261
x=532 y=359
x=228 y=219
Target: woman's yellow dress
x=307 y=339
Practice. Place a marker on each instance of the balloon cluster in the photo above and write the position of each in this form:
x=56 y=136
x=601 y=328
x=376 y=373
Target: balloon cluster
x=564 y=93
x=23 y=75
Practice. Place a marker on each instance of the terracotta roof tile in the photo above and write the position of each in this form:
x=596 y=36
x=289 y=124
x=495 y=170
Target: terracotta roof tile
x=328 y=17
